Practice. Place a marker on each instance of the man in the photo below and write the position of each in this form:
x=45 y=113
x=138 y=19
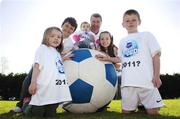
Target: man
x=96 y=21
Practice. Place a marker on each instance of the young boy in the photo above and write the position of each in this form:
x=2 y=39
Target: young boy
x=140 y=57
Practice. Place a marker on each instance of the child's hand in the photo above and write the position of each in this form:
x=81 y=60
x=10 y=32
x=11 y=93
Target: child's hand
x=118 y=66
x=102 y=57
x=67 y=56
x=157 y=82
x=33 y=88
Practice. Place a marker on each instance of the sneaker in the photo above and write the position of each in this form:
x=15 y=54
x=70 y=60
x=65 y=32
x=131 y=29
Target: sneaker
x=16 y=110
x=26 y=101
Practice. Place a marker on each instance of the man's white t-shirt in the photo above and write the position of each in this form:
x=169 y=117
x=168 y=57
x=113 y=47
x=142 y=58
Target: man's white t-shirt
x=97 y=38
x=51 y=83
x=136 y=52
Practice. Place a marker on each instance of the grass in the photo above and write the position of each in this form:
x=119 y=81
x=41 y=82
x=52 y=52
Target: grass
x=170 y=111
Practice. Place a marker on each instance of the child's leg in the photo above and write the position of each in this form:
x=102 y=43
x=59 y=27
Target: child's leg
x=25 y=86
x=129 y=99
x=50 y=110
x=152 y=100
x=24 y=92
x=37 y=111
x=154 y=111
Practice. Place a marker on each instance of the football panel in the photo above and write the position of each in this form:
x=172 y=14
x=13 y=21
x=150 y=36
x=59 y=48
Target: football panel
x=71 y=71
x=111 y=74
x=81 y=54
x=103 y=94
x=81 y=91
x=92 y=71
x=81 y=108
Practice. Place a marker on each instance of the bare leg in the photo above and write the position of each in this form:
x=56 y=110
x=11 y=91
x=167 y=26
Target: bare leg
x=154 y=111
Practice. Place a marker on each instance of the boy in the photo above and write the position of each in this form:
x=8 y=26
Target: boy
x=140 y=57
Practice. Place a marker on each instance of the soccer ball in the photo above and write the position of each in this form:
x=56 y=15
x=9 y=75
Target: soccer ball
x=93 y=83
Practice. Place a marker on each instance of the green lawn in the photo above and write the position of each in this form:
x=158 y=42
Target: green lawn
x=170 y=111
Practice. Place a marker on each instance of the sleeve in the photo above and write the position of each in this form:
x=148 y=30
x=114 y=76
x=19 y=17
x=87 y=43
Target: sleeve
x=153 y=45
x=76 y=37
x=39 y=56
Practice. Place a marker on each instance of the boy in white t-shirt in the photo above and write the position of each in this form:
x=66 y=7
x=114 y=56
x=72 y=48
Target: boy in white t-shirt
x=140 y=57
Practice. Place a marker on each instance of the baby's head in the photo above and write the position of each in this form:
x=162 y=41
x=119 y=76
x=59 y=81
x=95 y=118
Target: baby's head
x=85 y=26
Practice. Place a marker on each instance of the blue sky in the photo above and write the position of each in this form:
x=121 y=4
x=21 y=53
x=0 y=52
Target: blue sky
x=22 y=23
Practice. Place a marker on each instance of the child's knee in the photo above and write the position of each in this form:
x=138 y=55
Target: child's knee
x=154 y=111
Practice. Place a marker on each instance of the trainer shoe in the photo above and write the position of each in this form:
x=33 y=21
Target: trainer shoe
x=16 y=110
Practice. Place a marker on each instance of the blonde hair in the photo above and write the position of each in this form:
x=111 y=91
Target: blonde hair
x=46 y=34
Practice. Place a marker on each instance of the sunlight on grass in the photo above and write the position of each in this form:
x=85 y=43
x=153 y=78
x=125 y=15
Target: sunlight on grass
x=170 y=111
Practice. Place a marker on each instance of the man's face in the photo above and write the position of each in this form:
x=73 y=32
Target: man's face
x=95 y=23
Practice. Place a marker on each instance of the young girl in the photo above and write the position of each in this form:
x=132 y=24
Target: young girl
x=48 y=84
x=106 y=46
x=68 y=26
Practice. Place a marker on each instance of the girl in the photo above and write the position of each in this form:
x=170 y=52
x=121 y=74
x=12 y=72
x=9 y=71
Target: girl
x=68 y=26
x=106 y=46
x=48 y=84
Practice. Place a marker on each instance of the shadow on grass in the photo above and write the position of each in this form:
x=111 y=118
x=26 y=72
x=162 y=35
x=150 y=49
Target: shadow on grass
x=97 y=115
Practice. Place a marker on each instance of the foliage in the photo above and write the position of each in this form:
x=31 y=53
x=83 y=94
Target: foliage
x=10 y=86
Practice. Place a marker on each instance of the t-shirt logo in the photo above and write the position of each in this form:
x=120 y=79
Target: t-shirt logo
x=59 y=65
x=131 y=48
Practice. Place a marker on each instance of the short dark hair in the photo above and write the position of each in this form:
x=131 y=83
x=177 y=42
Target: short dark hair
x=71 y=21
x=132 y=11
x=84 y=22
x=96 y=15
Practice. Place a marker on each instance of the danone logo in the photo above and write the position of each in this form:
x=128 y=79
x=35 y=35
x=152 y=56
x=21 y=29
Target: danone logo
x=59 y=65
x=131 y=48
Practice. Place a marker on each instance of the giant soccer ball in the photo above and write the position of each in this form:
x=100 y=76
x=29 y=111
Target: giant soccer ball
x=93 y=83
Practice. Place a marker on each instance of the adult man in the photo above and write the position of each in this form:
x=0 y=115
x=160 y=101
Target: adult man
x=96 y=21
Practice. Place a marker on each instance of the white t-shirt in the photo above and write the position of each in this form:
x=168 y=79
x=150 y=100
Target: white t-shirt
x=51 y=83
x=136 y=52
x=68 y=45
x=97 y=37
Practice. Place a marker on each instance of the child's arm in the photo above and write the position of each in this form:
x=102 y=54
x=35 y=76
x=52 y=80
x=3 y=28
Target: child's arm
x=156 y=66
x=108 y=58
x=35 y=74
x=67 y=56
